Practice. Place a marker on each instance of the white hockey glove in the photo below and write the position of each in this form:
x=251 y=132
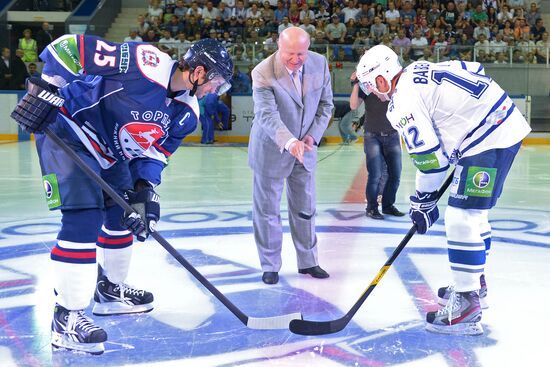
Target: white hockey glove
x=39 y=107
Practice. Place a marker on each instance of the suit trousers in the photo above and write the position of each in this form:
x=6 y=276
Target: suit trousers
x=266 y=217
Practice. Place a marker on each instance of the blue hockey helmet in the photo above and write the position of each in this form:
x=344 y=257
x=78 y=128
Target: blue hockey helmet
x=210 y=54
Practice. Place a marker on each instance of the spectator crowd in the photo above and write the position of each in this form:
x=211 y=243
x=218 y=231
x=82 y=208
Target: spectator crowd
x=488 y=31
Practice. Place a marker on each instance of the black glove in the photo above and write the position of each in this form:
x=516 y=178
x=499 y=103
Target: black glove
x=423 y=211
x=38 y=108
x=146 y=203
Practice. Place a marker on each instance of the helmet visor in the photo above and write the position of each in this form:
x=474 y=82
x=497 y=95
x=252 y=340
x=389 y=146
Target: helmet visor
x=366 y=88
x=219 y=85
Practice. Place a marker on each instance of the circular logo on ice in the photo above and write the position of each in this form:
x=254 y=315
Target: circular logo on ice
x=48 y=188
x=481 y=179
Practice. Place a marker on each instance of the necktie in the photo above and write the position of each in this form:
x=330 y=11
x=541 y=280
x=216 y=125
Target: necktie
x=297 y=81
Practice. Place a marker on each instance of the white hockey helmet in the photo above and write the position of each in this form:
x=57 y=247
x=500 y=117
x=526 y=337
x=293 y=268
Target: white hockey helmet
x=378 y=60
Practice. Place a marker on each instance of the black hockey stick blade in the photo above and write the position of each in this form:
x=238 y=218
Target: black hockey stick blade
x=276 y=322
x=309 y=327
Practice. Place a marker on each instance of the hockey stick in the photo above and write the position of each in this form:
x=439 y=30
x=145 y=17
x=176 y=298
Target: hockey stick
x=266 y=323
x=307 y=327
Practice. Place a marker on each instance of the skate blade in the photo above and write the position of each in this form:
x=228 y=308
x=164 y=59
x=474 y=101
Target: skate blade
x=61 y=342
x=482 y=302
x=119 y=308
x=468 y=328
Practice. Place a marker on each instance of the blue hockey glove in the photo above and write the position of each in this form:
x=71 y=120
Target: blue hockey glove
x=423 y=211
x=39 y=107
x=146 y=203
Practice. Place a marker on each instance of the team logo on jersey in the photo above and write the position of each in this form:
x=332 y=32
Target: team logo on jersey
x=497 y=116
x=480 y=181
x=137 y=137
x=149 y=58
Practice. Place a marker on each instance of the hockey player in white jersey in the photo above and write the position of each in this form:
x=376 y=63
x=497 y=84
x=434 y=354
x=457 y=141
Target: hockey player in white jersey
x=451 y=113
x=124 y=108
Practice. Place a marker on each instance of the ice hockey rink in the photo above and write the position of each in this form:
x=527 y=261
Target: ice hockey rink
x=206 y=216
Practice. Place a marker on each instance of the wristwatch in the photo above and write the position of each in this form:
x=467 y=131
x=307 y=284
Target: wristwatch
x=353 y=82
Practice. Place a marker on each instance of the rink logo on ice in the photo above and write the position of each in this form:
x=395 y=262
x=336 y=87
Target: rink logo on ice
x=137 y=137
x=51 y=188
x=480 y=181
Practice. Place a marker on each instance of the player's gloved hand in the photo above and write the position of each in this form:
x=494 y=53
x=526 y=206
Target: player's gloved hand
x=146 y=203
x=38 y=108
x=423 y=211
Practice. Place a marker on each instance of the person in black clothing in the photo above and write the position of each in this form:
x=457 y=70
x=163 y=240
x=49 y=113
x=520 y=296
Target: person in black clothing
x=20 y=72
x=13 y=71
x=6 y=73
x=381 y=144
x=44 y=37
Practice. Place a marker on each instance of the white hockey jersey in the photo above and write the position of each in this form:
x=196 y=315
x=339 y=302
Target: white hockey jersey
x=448 y=110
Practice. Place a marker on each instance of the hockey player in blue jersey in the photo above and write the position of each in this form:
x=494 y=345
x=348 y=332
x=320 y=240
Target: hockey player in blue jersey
x=211 y=108
x=127 y=107
x=451 y=113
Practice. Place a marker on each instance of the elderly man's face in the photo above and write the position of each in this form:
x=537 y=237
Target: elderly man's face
x=293 y=52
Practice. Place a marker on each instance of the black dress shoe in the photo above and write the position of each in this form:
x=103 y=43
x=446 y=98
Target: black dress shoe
x=270 y=277
x=392 y=210
x=315 y=272
x=374 y=213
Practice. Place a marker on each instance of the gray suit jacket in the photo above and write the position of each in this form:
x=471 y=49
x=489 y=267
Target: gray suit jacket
x=280 y=113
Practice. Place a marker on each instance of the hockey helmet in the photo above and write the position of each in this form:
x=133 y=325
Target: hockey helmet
x=377 y=61
x=210 y=54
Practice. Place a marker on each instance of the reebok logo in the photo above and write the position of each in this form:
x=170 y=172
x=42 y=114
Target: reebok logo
x=51 y=99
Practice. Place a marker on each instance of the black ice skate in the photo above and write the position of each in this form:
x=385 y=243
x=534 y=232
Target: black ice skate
x=75 y=331
x=117 y=299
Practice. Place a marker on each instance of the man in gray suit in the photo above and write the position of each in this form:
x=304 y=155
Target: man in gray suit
x=292 y=107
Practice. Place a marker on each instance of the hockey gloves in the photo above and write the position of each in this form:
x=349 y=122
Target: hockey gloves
x=147 y=206
x=38 y=108
x=423 y=211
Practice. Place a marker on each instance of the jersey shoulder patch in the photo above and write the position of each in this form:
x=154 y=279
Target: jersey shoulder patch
x=154 y=64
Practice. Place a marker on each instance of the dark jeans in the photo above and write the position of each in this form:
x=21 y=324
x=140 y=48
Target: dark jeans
x=380 y=148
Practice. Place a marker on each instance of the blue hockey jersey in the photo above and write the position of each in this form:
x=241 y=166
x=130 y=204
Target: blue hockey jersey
x=117 y=101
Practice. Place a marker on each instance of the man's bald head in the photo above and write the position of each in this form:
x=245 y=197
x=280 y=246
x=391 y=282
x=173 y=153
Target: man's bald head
x=293 y=45
x=294 y=35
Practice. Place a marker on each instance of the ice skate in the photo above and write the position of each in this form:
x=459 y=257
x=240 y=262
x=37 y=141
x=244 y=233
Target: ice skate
x=461 y=315
x=117 y=299
x=75 y=331
x=444 y=293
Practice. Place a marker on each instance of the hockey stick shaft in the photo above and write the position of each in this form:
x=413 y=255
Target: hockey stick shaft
x=256 y=323
x=307 y=327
